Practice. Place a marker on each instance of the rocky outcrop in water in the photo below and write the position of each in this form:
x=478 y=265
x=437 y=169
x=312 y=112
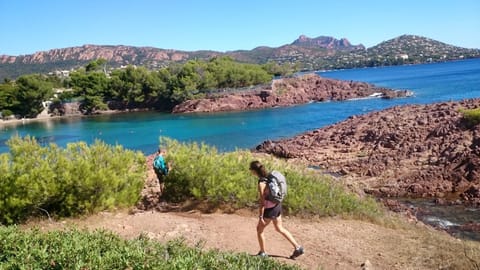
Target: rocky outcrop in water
x=287 y=92
x=410 y=151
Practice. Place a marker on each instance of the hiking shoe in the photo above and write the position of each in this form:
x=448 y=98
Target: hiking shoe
x=262 y=254
x=297 y=252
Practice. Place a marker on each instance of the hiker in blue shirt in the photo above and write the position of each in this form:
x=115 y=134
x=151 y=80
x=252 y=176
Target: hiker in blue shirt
x=160 y=167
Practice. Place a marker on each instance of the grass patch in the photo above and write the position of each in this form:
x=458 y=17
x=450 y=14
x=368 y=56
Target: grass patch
x=472 y=116
x=444 y=252
x=74 y=249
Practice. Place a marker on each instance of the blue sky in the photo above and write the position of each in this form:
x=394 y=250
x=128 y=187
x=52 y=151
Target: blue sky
x=28 y=26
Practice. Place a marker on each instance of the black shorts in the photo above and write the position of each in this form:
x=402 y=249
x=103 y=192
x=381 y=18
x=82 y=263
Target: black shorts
x=160 y=175
x=274 y=212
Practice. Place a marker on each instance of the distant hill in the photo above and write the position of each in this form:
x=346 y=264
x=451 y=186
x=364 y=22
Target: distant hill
x=74 y=57
x=309 y=53
x=303 y=51
x=421 y=49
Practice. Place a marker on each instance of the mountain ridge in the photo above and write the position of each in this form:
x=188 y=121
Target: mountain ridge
x=326 y=42
x=322 y=52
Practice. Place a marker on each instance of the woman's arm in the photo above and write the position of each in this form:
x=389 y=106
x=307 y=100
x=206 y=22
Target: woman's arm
x=261 y=198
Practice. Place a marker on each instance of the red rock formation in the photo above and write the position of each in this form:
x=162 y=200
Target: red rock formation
x=286 y=92
x=414 y=150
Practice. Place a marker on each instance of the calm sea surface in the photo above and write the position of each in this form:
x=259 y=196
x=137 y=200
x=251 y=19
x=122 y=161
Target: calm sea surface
x=228 y=131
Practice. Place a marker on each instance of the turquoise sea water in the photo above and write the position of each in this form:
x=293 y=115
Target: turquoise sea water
x=228 y=131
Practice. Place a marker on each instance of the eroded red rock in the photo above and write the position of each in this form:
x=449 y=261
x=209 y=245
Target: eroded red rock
x=425 y=151
x=287 y=92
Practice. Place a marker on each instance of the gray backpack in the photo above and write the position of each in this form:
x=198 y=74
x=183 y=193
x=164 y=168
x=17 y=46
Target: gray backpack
x=278 y=187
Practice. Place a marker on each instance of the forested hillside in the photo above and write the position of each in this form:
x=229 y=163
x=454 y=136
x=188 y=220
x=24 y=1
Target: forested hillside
x=130 y=87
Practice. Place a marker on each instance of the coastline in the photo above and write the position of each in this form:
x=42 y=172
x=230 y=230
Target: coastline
x=283 y=92
x=23 y=121
x=66 y=116
x=416 y=151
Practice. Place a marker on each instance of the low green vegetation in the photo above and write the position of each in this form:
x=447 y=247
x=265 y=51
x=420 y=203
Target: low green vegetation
x=73 y=249
x=472 y=116
x=79 y=179
x=201 y=172
x=82 y=179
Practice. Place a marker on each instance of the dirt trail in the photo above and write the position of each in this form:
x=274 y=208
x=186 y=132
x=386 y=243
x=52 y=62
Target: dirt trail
x=330 y=243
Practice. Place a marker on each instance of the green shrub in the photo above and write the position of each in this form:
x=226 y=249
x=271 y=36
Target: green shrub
x=472 y=116
x=201 y=172
x=6 y=113
x=76 y=180
x=73 y=249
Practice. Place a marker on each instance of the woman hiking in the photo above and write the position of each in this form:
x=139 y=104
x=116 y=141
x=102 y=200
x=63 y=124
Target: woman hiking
x=270 y=212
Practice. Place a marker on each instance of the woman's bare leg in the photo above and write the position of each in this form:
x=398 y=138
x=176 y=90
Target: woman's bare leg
x=260 y=235
x=279 y=227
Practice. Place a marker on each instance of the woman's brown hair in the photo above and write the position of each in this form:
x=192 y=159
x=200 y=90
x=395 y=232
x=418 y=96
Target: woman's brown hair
x=257 y=167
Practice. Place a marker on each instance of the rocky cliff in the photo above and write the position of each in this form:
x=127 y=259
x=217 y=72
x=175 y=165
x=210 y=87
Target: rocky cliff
x=424 y=151
x=327 y=43
x=287 y=92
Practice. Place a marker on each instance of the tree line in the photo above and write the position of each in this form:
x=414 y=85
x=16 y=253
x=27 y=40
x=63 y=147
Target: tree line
x=132 y=87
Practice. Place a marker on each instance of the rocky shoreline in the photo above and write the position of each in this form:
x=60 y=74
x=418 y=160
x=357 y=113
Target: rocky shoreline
x=280 y=93
x=416 y=151
x=287 y=92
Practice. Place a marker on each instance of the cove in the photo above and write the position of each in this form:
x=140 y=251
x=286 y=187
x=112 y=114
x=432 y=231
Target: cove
x=226 y=131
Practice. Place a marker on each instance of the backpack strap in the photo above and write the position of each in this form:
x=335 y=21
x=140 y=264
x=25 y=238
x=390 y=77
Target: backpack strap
x=271 y=177
x=263 y=179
